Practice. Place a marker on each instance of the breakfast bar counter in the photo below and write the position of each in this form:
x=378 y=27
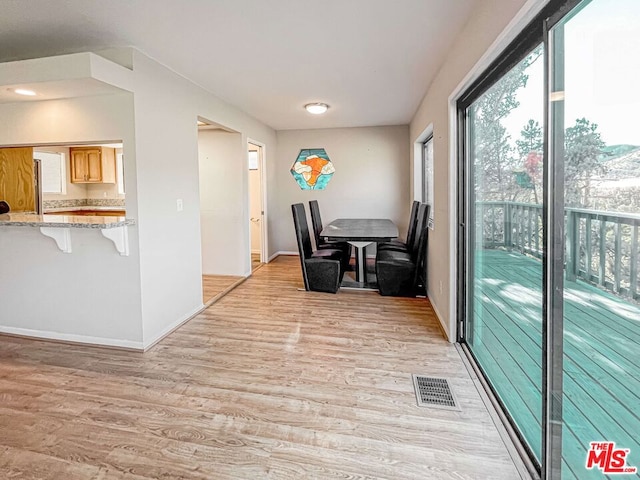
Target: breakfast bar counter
x=59 y=227
x=62 y=221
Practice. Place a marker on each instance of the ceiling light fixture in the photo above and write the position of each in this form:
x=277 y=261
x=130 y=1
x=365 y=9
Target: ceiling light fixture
x=316 y=108
x=24 y=91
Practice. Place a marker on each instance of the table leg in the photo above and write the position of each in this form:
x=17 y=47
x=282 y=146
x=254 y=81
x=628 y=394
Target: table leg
x=361 y=261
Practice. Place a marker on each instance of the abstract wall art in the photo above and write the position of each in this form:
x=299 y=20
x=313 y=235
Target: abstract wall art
x=312 y=169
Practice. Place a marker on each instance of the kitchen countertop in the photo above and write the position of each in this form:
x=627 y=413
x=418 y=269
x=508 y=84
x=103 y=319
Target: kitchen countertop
x=62 y=221
x=84 y=207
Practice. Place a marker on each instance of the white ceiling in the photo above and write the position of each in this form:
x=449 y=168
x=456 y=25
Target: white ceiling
x=370 y=60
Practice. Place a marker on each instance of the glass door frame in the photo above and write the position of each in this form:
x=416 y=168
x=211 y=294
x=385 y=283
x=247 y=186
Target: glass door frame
x=537 y=32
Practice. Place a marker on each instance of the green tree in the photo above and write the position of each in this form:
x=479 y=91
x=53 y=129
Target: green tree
x=583 y=147
x=495 y=157
x=530 y=148
x=530 y=139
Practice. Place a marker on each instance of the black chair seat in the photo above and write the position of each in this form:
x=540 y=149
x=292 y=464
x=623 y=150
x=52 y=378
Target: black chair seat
x=413 y=237
x=399 y=273
x=395 y=245
x=333 y=245
x=394 y=256
x=322 y=270
x=327 y=253
x=407 y=245
x=316 y=221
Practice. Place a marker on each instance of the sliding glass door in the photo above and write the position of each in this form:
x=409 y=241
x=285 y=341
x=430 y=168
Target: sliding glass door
x=504 y=296
x=597 y=52
x=549 y=240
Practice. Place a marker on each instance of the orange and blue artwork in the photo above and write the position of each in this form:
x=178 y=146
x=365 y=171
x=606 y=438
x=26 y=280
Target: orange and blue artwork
x=312 y=169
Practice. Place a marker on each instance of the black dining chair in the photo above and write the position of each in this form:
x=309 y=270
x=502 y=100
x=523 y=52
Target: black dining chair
x=422 y=218
x=4 y=207
x=316 y=222
x=322 y=270
x=399 y=245
x=402 y=274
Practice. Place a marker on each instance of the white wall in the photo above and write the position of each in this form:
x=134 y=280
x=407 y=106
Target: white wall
x=487 y=22
x=221 y=202
x=371 y=178
x=92 y=294
x=166 y=110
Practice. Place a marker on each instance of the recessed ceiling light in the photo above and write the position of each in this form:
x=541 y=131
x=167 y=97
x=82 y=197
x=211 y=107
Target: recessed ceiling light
x=316 y=108
x=24 y=91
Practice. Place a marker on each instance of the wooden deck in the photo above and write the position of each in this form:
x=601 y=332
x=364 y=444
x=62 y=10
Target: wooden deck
x=601 y=357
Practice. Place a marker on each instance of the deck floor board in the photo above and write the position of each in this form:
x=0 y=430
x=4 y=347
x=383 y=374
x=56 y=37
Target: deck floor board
x=601 y=356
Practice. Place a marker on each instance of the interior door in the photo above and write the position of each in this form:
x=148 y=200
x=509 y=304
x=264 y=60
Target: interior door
x=256 y=211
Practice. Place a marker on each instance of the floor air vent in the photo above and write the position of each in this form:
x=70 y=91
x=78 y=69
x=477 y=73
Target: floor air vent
x=434 y=392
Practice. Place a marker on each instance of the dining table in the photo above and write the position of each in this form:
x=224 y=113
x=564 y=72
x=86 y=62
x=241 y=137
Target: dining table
x=360 y=232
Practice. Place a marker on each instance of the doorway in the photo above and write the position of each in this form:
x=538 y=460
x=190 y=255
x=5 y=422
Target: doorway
x=256 y=204
x=221 y=208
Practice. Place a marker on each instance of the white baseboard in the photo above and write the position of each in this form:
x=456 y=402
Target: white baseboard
x=72 y=338
x=445 y=328
x=281 y=252
x=174 y=326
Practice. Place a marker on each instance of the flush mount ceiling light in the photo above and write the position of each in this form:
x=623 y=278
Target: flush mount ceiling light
x=316 y=108
x=24 y=91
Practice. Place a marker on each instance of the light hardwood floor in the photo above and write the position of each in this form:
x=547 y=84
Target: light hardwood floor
x=268 y=383
x=214 y=285
x=255 y=261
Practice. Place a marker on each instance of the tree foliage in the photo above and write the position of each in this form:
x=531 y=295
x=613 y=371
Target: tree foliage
x=583 y=147
x=494 y=153
x=530 y=139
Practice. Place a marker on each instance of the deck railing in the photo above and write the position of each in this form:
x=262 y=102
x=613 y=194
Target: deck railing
x=602 y=248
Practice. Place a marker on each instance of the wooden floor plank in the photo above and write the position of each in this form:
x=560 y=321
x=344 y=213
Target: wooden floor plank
x=269 y=382
x=213 y=285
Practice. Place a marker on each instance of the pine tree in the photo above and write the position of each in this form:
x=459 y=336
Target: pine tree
x=495 y=157
x=583 y=148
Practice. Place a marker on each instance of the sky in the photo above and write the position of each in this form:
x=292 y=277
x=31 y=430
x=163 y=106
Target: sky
x=602 y=73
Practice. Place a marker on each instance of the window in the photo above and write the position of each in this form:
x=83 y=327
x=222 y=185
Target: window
x=52 y=166
x=427 y=176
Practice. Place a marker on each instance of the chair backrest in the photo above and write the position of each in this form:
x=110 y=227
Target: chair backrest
x=302 y=230
x=316 y=221
x=413 y=216
x=304 y=240
x=421 y=260
x=421 y=222
x=4 y=207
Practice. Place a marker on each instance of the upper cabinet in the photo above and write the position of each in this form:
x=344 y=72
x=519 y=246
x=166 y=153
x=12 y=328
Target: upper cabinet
x=93 y=165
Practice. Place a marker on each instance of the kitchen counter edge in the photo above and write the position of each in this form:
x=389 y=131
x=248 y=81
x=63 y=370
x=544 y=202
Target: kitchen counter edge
x=62 y=221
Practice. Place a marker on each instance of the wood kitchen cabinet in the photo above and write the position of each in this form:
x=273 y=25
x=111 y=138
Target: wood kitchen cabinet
x=93 y=165
x=17 y=186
